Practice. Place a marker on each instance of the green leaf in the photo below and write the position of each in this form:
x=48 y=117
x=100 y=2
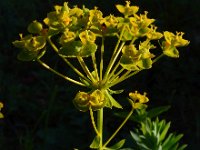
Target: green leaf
x=135 y=136
x=27 y=55
x=164 y=132
x=157 y=111
x=95 y=143
x=71 y=49
x=117 y=146
x=182 y=147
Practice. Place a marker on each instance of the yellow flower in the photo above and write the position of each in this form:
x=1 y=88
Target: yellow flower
x=138 y=100
x=175 y=40
x=171 y=42
x=1 y=106
x=127 y=10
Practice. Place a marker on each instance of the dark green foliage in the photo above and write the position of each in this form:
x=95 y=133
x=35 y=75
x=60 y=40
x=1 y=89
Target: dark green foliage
x=153 y=135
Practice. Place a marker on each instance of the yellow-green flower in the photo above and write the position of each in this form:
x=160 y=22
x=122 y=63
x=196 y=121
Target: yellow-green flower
x=83 y=101
x=153 y=34
x=133 y=59
x=171 y=42
x=59 y=18
x=1 y=106
x=138 y=100
x=87 y=36
x=175 y=40
x=127 y=10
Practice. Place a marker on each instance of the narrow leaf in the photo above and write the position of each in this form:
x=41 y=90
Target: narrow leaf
x=157 y=111
x=118 y=145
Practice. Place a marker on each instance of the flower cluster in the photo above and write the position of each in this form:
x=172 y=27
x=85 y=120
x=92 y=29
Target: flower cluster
x=76 y=31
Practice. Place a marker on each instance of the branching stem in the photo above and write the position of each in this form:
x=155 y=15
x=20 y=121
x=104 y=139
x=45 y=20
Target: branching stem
x=59 y=74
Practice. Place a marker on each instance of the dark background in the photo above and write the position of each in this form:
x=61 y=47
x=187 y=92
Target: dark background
x=38 y=109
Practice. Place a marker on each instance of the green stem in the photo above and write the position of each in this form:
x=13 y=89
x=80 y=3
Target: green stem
x=100 y=127
x=66 y=61
x=128 y=74
x=95 y=66
x=85 y=68
x=122 y=124
x=59 y=74
x=157 y=58
x=101 y=61
x=122 y=78
x=113 y=57
x=112 y=76
x=93 y=122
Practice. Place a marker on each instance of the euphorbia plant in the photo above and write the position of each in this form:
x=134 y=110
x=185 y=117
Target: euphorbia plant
x=80 y=34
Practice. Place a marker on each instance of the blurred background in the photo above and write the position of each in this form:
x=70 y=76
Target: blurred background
x=38 y=110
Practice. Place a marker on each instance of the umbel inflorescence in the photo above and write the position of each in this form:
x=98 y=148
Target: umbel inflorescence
x=76 y=31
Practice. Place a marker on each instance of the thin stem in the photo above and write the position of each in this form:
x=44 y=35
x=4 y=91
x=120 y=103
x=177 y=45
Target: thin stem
x=122 y=78
x=122 y=124
x=66 y=61
x=112 y=74
x=76 y=70
x=93 y=122
x=128 y=74
x=114 y=54
x=115 y=76
x=157 y=58
x=59 y=74
x=85 y=68
x=101 y=61
x=113 y=60
x=95 y=66
x=100 y=127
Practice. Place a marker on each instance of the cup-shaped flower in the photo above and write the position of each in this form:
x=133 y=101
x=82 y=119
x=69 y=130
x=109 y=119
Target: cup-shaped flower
x=1 y=106
x=87 y=36
x=67 y=36
x=31 y=47
x=138 y=100
x=109 y=25
x=83 y=101
x=97 y=100
x=95 y=18
x=171 y=42
x=127 y=10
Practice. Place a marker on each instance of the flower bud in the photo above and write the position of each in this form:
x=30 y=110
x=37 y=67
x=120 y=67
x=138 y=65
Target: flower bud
x=35 y=27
